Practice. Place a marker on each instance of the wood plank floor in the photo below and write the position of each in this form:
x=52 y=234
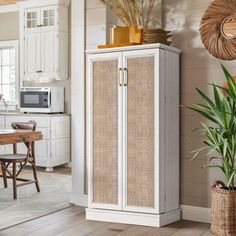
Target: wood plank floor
x=71 y=222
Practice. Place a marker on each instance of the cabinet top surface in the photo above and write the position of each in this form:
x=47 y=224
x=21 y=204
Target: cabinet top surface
x=136 y=47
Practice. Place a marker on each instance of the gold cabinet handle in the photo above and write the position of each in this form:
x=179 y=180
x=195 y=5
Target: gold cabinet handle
x=121 y=76
x=125 y=77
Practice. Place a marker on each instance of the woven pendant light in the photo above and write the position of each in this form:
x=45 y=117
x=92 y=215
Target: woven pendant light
x=213 y=39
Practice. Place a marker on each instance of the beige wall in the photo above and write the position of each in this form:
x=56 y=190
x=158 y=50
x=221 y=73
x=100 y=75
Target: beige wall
x=9 y=26
x=95 y=23
x=198 y=68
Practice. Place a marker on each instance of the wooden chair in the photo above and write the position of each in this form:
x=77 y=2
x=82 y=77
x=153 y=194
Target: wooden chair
x=15 y=159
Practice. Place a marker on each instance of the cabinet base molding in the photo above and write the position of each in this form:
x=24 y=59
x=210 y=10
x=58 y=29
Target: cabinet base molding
x=133 y=218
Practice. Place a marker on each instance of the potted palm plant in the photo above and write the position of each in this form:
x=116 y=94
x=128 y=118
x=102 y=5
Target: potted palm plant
x=220 y=139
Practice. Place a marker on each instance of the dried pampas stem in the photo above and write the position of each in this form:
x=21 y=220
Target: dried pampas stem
x=132 y=12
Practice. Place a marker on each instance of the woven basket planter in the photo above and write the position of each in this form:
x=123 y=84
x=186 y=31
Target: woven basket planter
x=223 y=212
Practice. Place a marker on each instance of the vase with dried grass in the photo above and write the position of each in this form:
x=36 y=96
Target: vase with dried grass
x=136 y=16
x=132 y=12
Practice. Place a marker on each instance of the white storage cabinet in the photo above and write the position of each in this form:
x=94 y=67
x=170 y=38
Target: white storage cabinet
x=133 y=135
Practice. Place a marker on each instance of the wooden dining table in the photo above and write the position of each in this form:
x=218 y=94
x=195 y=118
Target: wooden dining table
x=11 y=136
x=14 y=136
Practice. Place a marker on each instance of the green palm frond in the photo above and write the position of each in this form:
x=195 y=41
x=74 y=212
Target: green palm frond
x=231 y=82
x=220 y=137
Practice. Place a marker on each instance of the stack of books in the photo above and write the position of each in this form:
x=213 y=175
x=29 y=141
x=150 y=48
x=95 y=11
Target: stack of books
x=157 y=36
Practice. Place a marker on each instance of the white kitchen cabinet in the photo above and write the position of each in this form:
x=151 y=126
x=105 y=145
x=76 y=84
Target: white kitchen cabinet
x=32 y=54
x=45 y=18
x=60 y=150
x=44 y=40
x=54 y=149
x=46 y=55
x=50 y=54
x=32 y=19
x=133 y=135
x=49 y=18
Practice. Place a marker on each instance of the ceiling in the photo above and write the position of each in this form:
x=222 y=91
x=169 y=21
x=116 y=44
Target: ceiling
x=6 y=2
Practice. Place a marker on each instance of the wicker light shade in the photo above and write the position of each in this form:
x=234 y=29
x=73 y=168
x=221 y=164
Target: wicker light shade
x=210 y=29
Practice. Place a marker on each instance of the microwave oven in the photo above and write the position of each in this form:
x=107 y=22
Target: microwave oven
x=42 y=100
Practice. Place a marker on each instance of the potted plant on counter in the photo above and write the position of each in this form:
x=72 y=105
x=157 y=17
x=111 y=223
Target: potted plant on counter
x=220 y=138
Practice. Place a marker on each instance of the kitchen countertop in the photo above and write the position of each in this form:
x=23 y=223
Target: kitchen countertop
x=30 y=114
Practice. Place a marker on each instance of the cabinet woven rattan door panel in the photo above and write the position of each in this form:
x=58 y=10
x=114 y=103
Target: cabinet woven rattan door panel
x=105 y=132
x=140 y=131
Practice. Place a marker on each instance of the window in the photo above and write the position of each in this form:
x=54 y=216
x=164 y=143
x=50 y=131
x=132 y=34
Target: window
x=9 y=78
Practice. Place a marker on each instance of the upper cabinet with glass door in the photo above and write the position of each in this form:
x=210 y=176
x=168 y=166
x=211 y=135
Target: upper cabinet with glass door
x=44 y=15
x=32 y=19
x=41 y=19
x=49 y=18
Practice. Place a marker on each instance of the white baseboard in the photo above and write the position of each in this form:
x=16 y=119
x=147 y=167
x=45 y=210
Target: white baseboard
x=79 y=200
x=199 y=214
x=133 y=218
